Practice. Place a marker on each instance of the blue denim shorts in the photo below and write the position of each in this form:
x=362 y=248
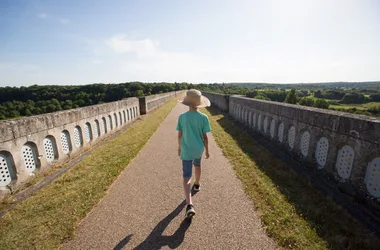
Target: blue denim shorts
x=187 y=167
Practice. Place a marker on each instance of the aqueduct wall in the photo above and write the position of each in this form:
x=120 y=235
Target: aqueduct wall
x=345 y=146
x=31 y=144
x=152 y=102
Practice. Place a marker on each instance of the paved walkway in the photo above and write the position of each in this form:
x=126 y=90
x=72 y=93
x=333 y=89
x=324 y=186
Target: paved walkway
x=144 y=208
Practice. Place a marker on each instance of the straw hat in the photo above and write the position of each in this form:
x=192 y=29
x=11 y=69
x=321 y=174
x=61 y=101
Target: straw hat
x=194 y=98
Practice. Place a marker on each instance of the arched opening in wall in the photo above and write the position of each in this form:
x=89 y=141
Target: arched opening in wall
x=291 y=136
x=136 y=112
x=104 y=125
x=130 y=110
x=254 y=121
x=344 y=162
x=265 y=125
x=66 y=142
x=128 y=115
x=304 y=143
x=50 y=147
x=110 y=126
x=87 y=132
x=281 y=132
x=78 y=141
x=124 y=116
x=30 y=157
x=321 y=151
x=7 y=168
x=115 y=120
x=96 y=129
x=259 y=123
x=250 y=119
x=246 y=117
x=120 y=119
x=372 y=177
x=272 y=128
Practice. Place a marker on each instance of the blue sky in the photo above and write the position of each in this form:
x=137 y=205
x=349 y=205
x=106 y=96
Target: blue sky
x=91 y=41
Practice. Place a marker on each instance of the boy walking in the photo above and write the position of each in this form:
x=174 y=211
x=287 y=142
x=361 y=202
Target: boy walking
x=192 y=127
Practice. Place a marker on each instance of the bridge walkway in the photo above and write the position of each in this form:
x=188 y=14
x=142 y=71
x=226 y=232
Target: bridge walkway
x=144 y=207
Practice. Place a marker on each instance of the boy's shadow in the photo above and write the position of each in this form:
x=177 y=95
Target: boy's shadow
x=155 y=239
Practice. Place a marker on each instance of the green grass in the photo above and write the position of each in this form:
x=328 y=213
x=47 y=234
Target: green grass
x=348 y=106
x=51 y=215
x=294 y=213
x=371 y=104
x=363 y=106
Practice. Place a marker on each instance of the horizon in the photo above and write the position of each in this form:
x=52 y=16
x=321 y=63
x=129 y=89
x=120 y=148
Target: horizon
x=253 y=83
x=267 y=42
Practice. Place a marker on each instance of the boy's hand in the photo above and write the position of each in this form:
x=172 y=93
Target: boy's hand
x=179 y=152
x=207 y=155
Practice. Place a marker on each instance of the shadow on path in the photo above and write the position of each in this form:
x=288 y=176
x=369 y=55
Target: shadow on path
x=155 y=239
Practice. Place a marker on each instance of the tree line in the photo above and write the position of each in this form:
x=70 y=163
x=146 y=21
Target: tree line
x=35 y=99
x=312 y=95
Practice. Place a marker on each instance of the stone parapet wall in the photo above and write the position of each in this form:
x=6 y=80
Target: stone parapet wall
x=31 y=144
x=152 y=102
x=218 y=100
x=342 y=145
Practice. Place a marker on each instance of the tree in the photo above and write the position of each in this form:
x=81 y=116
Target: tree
x=353 y=98
x=13 y=113
x=322 y=103
x=251 y=94
x=318 y=94
x=275 y=95
x=305 y=101
x=50 y=108
x=262 y=97
x=375 y=97
x=291 y=97
x=139 y=93
x=37 y=111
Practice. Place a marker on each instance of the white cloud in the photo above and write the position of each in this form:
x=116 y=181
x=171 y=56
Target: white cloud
x=120 y=44
x=152 y=63
x=42 y=15
x=97 y=61
x=144 y=60
x=64 y=21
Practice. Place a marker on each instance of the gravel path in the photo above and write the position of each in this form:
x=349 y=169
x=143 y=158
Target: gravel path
x=144 y=207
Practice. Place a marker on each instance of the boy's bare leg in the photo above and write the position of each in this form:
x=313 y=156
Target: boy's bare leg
x=187 y=188
x=198 y=172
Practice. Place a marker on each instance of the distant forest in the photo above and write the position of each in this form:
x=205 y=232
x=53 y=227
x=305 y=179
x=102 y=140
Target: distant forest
x=353 y=97
x=242 y=88
x=33 y=100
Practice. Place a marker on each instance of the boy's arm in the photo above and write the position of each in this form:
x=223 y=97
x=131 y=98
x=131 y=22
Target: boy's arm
x=205 y=139
x=206 y=129
x=179 y=129
x=179 y=142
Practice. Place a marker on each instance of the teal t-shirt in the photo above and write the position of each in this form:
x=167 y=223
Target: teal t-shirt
x=193 y=125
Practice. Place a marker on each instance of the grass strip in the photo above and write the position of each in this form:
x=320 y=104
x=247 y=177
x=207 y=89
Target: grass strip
x=293 y=212
x=50 y=216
